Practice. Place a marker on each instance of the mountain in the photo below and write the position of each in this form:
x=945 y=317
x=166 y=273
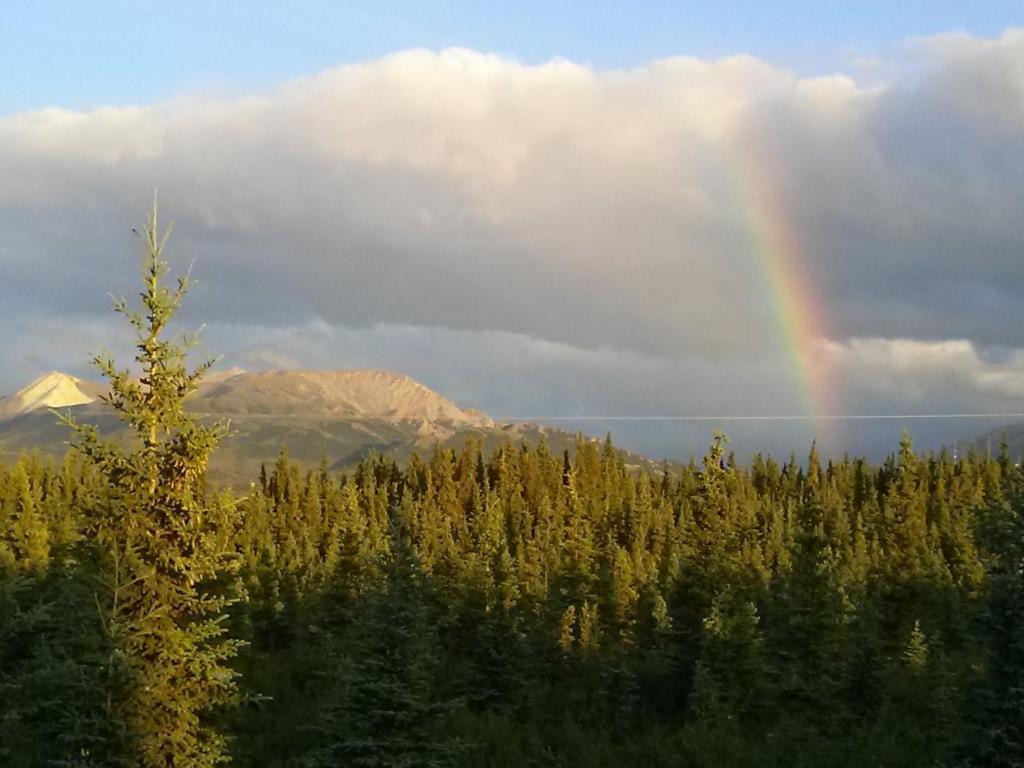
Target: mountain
x=990 y=441
x=340 y=415
x=353 y=395
x=51 y=390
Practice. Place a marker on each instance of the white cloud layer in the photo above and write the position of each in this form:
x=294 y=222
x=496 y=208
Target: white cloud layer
x=910 y=373
x=553 y=238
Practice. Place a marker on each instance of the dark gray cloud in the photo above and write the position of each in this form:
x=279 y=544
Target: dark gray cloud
x=550 y=239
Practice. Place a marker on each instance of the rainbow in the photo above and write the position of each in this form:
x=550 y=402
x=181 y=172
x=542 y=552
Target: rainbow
x=782 y=261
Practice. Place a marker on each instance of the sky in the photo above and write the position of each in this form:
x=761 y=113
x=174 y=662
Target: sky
x=540 y=209
x=83 y=54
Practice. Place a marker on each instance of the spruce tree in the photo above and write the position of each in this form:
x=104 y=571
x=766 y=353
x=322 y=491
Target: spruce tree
x=730 y=669
x=24 y=537
x=159 y=547
x=998 y=738
x=383 y=707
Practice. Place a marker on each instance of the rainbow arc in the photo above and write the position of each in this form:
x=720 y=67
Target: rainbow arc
x=782 y=259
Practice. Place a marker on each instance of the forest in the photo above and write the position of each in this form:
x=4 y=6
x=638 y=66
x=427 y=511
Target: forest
x=531 y=609
x=516 y=608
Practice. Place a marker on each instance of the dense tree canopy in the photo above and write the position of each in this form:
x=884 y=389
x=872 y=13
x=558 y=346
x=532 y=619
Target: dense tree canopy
x=527 y=608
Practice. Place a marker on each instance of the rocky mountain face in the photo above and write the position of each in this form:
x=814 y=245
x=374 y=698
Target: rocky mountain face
x=340 y=415
x=356 y=395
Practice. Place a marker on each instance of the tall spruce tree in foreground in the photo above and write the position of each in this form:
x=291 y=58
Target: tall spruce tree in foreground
x=161 y=554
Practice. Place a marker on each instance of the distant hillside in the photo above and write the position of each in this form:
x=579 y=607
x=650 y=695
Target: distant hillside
x=990 y=440
x=343 y=415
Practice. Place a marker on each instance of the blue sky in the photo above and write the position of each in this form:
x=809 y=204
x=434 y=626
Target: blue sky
x=83 y=54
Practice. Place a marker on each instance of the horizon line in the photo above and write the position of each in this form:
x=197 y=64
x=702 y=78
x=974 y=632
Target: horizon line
x=766 y=417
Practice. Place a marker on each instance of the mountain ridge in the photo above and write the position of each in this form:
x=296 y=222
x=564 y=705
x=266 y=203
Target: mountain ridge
x=341 y=415
x=352 y=393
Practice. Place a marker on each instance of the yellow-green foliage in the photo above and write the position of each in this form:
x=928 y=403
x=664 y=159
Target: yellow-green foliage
x=163 y=550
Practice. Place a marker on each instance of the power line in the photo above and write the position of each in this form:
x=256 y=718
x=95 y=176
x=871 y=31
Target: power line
x=781 y=417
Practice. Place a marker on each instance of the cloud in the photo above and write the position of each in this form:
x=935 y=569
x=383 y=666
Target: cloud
x=551 y=237
x=938 y=375
x=508 y=374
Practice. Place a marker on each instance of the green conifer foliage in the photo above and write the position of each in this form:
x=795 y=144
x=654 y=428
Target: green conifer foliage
x=999 y=719
x=28 y=532
x=730 y=667
x=160 y=545
x=383 y=708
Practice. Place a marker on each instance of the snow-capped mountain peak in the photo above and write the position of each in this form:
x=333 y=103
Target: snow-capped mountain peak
x=51 y=390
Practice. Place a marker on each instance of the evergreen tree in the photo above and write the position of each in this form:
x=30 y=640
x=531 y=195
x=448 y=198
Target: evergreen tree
x=999 y=720
x=160 y=548
x=730 y=669
x=384 y=708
